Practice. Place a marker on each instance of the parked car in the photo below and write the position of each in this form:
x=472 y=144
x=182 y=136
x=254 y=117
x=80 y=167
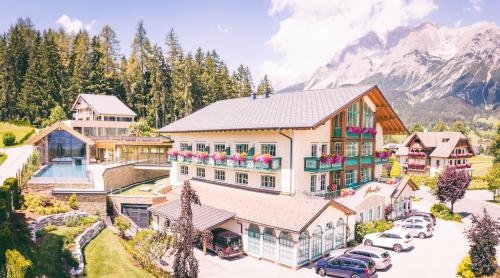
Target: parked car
x=380 y=256
x=347 y=266
x=225 y=243
x=396 y=239
x=419 y=230
x=415 y=220
x=427 y=216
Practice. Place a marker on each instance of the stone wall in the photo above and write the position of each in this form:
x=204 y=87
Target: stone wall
x=93 y=203
x=121 y=176
x=80 y=242
x=118 y=200
x=54 y=219
x=46 y=188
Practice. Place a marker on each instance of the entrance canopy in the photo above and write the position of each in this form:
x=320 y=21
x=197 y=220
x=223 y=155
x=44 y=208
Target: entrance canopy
x=204 y=217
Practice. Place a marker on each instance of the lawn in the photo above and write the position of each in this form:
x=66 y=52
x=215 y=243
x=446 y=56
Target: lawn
x=106 y=257
x=19 y=131
x=480 y=167
x=145 y=189
x=3 y=157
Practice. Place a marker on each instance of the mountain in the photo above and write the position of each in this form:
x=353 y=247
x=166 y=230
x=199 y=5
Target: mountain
x=428 y=72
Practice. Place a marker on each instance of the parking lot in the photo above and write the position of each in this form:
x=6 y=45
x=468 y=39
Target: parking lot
x=437 y=256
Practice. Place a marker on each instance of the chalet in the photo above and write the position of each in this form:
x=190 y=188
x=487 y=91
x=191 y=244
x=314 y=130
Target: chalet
x=290 y=172
x=428 y=153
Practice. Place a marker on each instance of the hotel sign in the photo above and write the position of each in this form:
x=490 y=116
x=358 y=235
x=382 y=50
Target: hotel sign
x=370 y=190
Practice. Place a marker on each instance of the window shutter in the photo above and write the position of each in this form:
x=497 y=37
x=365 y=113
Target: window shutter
x=251 y=152
x=228 y=150
x=207 y=149
x=190 y=148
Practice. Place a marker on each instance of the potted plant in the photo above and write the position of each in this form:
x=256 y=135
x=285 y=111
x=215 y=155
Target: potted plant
x=172 y=155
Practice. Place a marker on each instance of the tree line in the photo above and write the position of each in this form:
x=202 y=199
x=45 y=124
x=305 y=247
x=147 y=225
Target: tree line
x=40 y=70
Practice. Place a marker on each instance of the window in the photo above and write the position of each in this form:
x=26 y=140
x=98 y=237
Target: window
x=337 y=121
x=316 y=242
x=339 y=236
x=184 y=170
x=314 y=150
x=352 y=115
x=286 y=248
x=352 y=149
x=379 y=212
x=268 y=182
x=324 y=149
x=336 y=178
x=313 y=183
x=303 y=251
x=322 y=182
x=200 y=173
x=268 y=149
x=269 y=244
x=337 y=148
x=200 y=147
x=254 y=239
x=184 y=147
x=367 y=148
x=110 y=131
x=242 y=178
x=437 y=163
x=329 y=236
x=351 y=177
x=366 y=174
x=219 y=148
x=242 y=148
x=370 y=214
x=362 y=216
x=89 y=131
x=368 y=116
x=219 y=175
x=122 y=131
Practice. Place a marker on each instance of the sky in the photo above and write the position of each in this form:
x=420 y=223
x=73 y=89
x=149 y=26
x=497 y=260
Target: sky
x=286 y=39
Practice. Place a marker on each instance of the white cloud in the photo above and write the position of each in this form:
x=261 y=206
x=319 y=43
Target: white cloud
x=477 y=5
x=74 y=25
x=458 y=23
x=315 y=29
x=222 y=29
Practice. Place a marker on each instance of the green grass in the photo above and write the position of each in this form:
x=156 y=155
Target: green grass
x=3 y=157
x=481 y=165
x=106 y=257
x=135 y=190
x=19 y=131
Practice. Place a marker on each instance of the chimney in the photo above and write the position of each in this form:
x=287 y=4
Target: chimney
x=254 y=95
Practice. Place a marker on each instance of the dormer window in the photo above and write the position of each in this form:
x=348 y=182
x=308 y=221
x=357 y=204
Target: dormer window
x=445 y=140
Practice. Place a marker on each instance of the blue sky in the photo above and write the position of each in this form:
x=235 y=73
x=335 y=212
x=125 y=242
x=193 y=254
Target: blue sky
x=286 y=38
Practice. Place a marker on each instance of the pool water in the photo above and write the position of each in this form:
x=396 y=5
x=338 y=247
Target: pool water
x=63 y=170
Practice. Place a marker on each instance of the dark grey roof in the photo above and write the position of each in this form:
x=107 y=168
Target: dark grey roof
x=104 y=104
x=204 y=217
x=303 y=109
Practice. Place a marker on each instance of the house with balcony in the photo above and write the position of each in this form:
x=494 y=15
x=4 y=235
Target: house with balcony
x=428 y=153
x=291 y=170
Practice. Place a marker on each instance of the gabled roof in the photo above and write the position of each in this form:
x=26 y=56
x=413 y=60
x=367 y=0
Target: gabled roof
x=204 y=217
x=400 y=187
x=293 y=110
x=59 y=126
x=443 y=143
x=105 y=105
x=291 y=213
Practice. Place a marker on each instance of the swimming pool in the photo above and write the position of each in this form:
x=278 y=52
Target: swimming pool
x=64 y=171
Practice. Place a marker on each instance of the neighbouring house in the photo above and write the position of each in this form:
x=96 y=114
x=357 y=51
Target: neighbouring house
x=287 y=171
x=428 y=153
x=94 y=152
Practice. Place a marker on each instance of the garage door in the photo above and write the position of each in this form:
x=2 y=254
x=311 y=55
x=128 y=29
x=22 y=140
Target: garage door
x=137 y=213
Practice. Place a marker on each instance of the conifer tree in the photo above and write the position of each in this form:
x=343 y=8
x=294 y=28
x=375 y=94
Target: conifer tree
x=265 y=86
x=97 y=79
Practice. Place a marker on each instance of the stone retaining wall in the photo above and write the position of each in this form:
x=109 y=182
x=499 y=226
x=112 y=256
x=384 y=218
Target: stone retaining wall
x=46 y=188
x=54 y=219
x=93 y=203
x=80 y=242
x=121 y=176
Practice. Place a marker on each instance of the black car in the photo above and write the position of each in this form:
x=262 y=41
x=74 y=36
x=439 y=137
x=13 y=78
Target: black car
x=225 y=243
x=351 y=266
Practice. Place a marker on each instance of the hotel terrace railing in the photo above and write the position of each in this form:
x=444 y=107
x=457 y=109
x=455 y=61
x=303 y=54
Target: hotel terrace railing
x=130 y=139
x=460 y=166
x=327 y=194
x=249 y=163
x=314 y=164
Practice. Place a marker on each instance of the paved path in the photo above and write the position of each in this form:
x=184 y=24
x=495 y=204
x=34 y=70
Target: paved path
x=16 y=157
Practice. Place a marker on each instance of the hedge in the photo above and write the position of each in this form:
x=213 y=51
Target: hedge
x=363 y=228
x=17 y=265
x=26 y=136
x=465 y=268
x=10 y=184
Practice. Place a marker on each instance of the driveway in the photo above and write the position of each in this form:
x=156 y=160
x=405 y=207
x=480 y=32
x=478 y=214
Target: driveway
x=16 y=157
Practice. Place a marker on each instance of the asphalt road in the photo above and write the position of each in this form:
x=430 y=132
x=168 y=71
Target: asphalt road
x=16 y=157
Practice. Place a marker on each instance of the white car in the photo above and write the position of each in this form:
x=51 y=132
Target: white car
x=418 y=220
x=397 y=239
x=419 y=230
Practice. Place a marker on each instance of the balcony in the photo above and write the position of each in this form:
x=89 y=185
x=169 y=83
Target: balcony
x=324 y=194
x=313 y=164
x=367 y=160
x=381 y=160
x=249 y=163
x=352 y=161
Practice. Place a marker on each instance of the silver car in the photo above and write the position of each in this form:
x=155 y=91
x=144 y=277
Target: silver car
x=419 y=230
x=380 y=256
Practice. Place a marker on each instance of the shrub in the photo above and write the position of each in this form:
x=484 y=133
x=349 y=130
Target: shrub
x=72 y=202
x=363 y=228
x=122 y=224
x=442 y=211
x=44 y=205
x=87 y=221
x=352 y=243
x=431 y=182
x=417 y=180
x=26 y=136
x=68 y=257
x=50 y=228
x=464 y=269
x=17 y=265
x=11 y=185
x=9 y=139
x=5 y=241
x=72 y=221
